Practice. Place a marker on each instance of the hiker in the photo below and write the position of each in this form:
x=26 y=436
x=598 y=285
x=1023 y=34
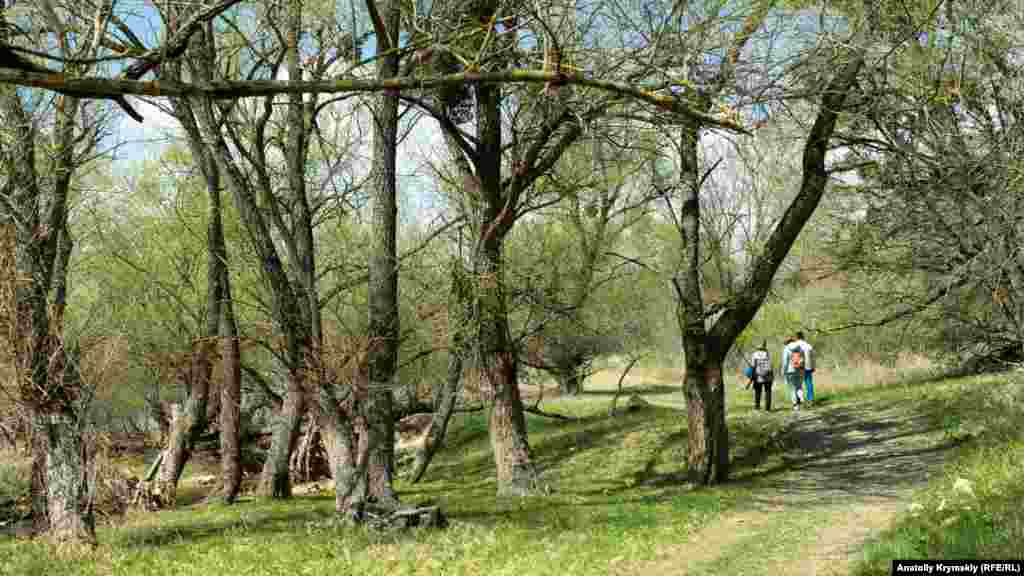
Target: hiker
x=762 y=376
x=793 y=368
x=808 y=366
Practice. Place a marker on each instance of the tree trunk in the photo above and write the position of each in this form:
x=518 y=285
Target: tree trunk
x=383 y=271
x=46 y=368
x=68 y=504
x=708 y=435
x=38 y=447
x=507 y=426
x=347 y=454
x=275 y=481
x=708 y=439
x=570 y=383
x=231 y=399
x=187 y=423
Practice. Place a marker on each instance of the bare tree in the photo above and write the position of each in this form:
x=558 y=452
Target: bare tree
x=36 y=249
x=935 y=207
x=708 y=332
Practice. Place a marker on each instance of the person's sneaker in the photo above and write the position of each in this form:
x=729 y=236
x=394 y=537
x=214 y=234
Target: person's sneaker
x=796 y=407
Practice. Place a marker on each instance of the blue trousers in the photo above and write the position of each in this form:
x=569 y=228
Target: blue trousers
x=809 y=385
x=795 y=380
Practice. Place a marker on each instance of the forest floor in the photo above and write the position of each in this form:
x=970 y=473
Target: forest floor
x=845 y=474
x=810 y=493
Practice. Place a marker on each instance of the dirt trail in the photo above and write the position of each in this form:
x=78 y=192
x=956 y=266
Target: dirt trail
x=846 y=472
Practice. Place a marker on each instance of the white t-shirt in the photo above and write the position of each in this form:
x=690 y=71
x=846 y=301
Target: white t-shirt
x=789 y=349
x=808 y=351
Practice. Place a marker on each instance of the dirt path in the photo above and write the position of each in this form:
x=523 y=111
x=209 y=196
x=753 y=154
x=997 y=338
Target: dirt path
x=844 y=474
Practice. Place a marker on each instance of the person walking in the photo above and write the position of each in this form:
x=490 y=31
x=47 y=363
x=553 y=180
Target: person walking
x=793 y=368
x=762 y=376
x=808 y=366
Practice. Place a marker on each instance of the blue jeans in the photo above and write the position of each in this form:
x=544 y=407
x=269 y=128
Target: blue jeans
x=795 y=380
x=808 y=385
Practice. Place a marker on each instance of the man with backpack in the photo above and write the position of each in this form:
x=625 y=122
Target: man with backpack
x=793 y=366
x=808 y=351
x=762 y=376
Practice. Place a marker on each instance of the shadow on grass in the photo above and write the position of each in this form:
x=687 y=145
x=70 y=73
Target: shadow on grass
x=849 y=452
x=640 y=390
x=589 y=433
x=194 y=530
x=851 y=449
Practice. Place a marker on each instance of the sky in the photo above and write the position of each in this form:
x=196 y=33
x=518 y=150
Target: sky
x=146 y=141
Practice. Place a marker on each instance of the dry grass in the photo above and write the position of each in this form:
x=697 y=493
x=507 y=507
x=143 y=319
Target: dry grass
x=864 y=371
x=608 y=379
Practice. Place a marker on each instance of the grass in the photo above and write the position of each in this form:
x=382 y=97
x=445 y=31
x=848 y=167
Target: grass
x=612 y=488
x=973 y=509
x=15 y=470
x=13 y=475
x=613 y=498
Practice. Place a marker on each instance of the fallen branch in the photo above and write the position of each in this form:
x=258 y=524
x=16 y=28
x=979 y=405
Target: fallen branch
x=539 y=412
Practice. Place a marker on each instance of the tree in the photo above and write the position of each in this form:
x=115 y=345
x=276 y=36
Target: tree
x=936 y=207
x=566 y=289
x=383 y=265
x=36 y=250
x=188 y=423
x=295 y=304
x=705 y=345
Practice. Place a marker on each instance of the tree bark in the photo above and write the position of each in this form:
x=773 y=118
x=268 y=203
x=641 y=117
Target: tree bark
x=187 y=422
x=46 y=368
x=348 y=456
x=570 y=383
x=708 y=436
x=38 y=447
x=105 y=88
x=294 y=302
x=383 y=268
x=275 y=480
x=231 y=399
x=507 y=423
x=69 y=507
x=301 y=317
x=192 y=419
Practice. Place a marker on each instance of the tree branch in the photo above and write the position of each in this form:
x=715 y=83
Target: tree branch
x=100 y=88
x=177 y=43
x=812 y=188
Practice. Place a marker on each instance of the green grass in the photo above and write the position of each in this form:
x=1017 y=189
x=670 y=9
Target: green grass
x=613 y=498
x=13 y=483
x=612 y=487
x=973 y=509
